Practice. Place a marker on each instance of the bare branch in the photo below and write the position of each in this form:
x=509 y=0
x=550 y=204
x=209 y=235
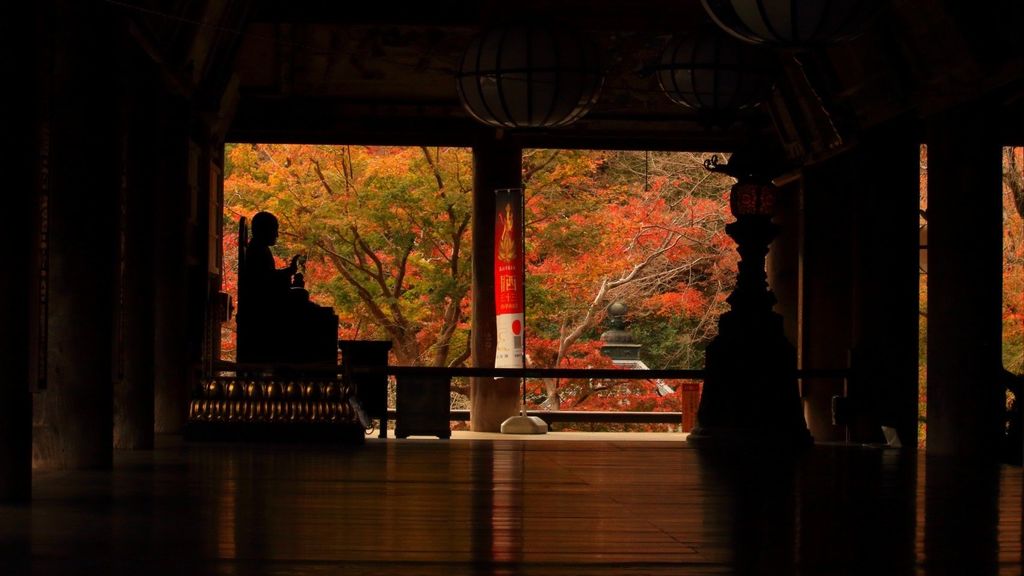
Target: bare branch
x=341 y=265
x=403 y=264
x=535 y=169
x=320 y=176
x=433 y=167
x=1013 y=178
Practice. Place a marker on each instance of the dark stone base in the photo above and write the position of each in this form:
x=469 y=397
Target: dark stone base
x=423 y=406
x=750 y=393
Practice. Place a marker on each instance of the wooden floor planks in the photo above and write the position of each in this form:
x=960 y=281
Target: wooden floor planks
x=516 y=507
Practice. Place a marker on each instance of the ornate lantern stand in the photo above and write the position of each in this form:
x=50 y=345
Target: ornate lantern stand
x=750 y=389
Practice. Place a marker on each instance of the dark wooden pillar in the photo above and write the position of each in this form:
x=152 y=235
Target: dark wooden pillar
x=198 y=260
x=171 y=291
x=965 y=397
x=883 y=388
x=825 y=293
x=24 y=138
x=133 y=390
x=15 y=294
x=495 y=166
x=73 y=422
x=784 y=259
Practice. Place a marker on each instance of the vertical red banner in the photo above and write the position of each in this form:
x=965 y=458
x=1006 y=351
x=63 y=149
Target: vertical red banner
x=509 y=278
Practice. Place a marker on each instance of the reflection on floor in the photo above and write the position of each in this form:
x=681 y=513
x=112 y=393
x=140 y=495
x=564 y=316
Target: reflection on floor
x=516 y=507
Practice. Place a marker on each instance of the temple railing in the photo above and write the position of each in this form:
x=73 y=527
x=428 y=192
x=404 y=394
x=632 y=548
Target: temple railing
x=586 y=416
x=411 y=375
x=567 y=373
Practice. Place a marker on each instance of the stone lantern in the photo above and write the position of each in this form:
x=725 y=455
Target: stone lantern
x=617 y=341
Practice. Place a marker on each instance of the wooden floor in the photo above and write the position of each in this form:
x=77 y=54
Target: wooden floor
x=516 y=507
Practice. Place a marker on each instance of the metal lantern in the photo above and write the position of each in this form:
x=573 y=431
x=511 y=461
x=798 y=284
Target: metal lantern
x=714 y=74
x=792 y=23
x=751 y=199
x=753 y=194
x=529 y=77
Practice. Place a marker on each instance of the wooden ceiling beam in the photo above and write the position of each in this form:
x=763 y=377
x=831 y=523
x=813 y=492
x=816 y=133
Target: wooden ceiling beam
x=636 y=15
x=330 y=121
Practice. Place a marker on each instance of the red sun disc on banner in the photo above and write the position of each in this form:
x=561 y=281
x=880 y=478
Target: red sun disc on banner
x=517 y=327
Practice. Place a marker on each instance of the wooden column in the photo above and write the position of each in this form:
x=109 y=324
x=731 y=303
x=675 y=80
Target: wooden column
x=495 y=165
x=783 y=261
x=883 y=389
x=198 y=259
x=24 y=137
x=825 y=293
x=15 y=295
x=73 y=421
x=965 y=397
x=171 y=291
x=133 y=390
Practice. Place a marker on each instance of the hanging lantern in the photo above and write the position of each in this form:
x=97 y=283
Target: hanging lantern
x=792 y=23
x=529 y=77
x=752 y=199
x=714 y=74
x=753 y=194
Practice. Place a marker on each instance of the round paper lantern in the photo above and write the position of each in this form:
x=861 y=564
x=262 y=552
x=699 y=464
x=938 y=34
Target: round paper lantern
x=529 y=77
x=714 y=74
x=792 y=23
